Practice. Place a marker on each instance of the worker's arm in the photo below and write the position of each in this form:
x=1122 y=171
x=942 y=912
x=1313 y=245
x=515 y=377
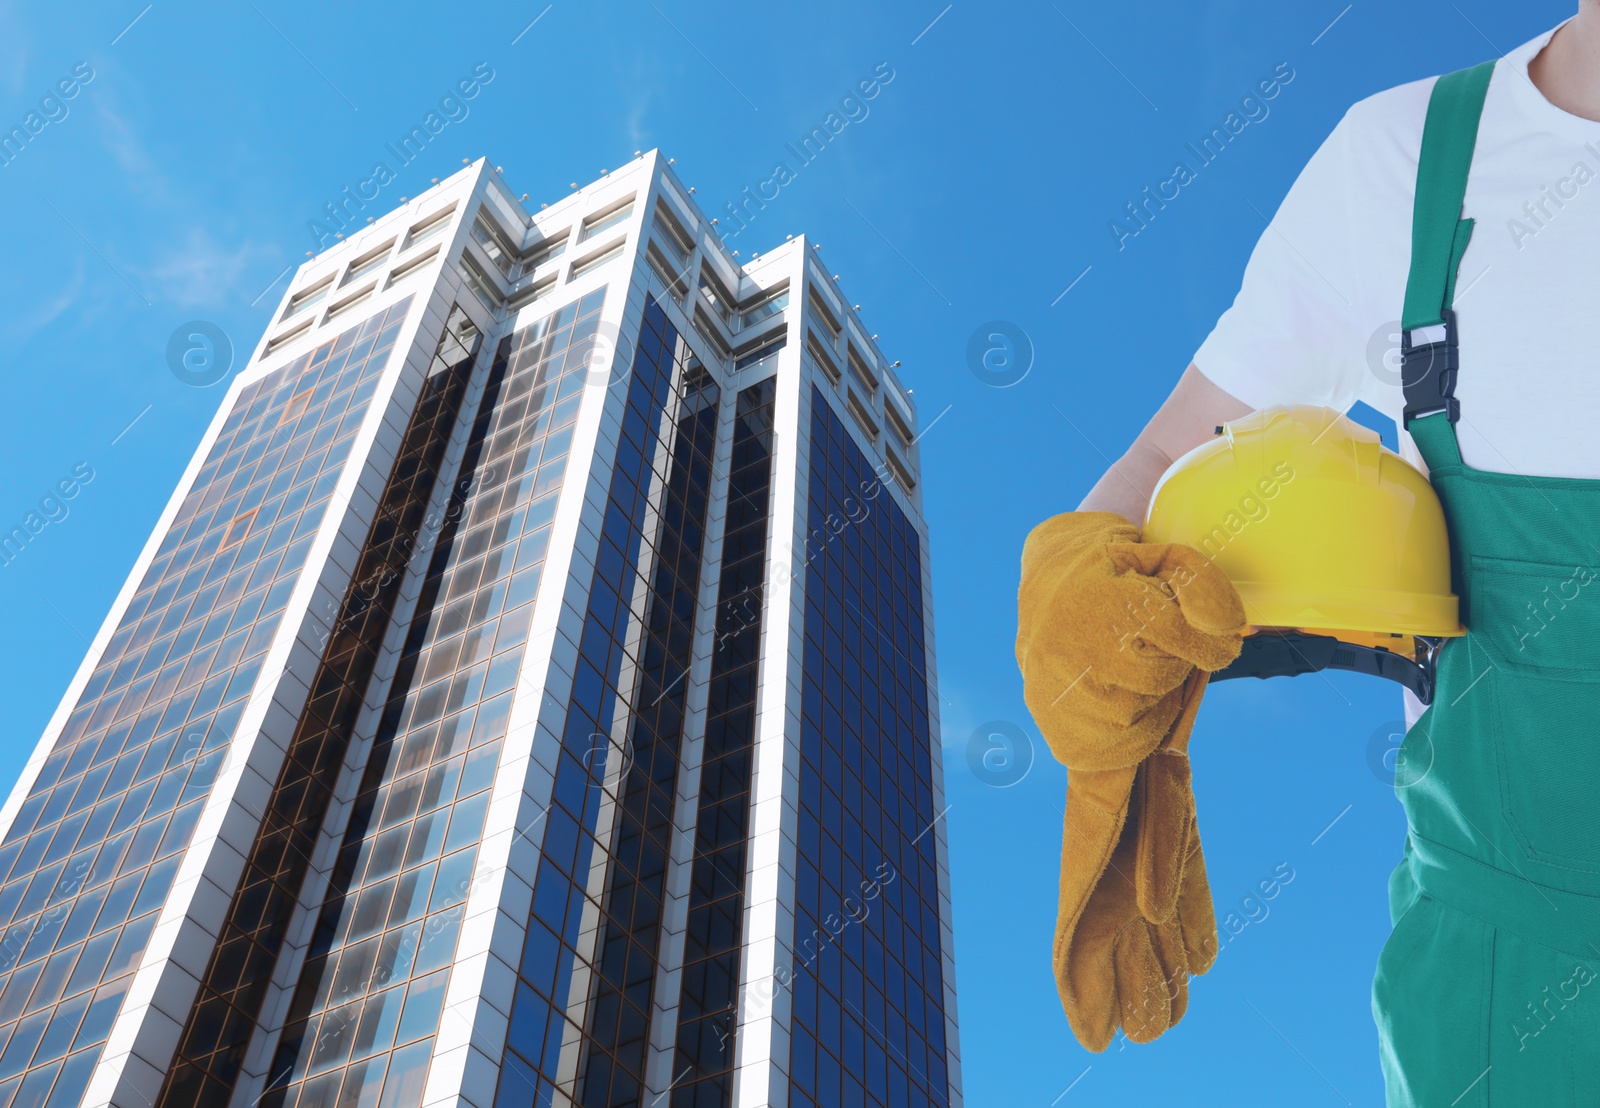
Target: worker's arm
x=1188 y=418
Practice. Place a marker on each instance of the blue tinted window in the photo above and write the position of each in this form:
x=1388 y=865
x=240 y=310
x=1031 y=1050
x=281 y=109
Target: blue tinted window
x=868 y=980
x=708 y=999
x=621 y=743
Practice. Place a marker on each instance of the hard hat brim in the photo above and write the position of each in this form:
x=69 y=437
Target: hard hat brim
x=1372 y=611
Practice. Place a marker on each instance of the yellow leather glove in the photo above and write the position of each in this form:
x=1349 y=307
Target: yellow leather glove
x=1108 y=630
x=1115 y=965
x=1110 y=634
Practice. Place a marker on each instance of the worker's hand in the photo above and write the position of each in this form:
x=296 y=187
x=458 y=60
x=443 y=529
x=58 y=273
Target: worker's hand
x=1108 y=631
x=1116 y=966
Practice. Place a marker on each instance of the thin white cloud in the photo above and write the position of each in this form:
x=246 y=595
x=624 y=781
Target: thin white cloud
x=638 y=133
x=14 y=53
x=956 y=719
x=200 y=271
x=186 y=264
x=119 y=138
x=31 y=319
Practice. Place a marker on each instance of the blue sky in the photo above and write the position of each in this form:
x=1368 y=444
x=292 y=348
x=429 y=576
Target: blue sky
x=181 y=180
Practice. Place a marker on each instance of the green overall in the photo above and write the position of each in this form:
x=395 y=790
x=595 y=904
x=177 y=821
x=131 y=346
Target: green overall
x=1488 y=989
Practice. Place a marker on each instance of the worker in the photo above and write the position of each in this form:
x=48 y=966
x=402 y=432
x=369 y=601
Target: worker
x=1467 y=207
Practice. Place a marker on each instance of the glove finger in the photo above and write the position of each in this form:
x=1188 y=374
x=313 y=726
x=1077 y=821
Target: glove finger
x=1091 y=726
x=1085 y=964
x=1196 y=916
x=1194 y=690
x=1056 y=543
x=1208 y=599
x=1061 y=558
x=1169 y=635
x=1087 y=980
x=1215 y=606
x=1097 y=806
x=1168 y=942
x=1095 y=628
x=1091 y=1011
x=1143 y=997
x=1095 y=902
x=1203 y=619
x=1166 y=811
x=1166 y=803
x=1057 y=682
x=1097 y=809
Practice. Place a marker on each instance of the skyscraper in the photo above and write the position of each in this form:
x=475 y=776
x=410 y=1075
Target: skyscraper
x=526 y=697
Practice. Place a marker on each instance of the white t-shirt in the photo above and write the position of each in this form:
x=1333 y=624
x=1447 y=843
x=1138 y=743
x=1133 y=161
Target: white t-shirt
x=1316 y=320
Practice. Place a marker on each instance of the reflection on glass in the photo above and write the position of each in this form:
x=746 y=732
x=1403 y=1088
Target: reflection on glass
x=434 y=227
x=393 y=908
x=92 y=852
x=300 y=301
x=605 y=223
x=581 y=1018
x=235 y=981
x=495 y=246
x=363 y=266
x=757 y=356
x=764 y=310
x=713 y=939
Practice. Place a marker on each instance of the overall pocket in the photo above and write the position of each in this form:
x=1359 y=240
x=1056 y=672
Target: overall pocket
x=1539 y=625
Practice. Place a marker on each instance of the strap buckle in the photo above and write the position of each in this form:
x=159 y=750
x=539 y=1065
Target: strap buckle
x=1428 y=373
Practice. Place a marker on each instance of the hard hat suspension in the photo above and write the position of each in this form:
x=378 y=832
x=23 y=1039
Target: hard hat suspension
x=1291 y=653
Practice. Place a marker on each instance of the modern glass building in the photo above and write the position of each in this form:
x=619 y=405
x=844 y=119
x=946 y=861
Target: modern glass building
x=526 y=698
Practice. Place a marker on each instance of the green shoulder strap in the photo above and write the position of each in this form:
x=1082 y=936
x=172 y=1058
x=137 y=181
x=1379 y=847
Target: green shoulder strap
x=1439 y=237
x=1438 y=233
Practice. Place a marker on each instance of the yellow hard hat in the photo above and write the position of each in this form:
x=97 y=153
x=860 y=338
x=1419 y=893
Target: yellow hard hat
x=1336 y=544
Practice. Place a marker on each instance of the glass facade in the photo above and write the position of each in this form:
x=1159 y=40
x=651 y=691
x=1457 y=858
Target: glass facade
x=708 y=998
x=629 y=927
x=237 y=977
x=580 y=1021
x=370 y=994
x=91 y=855
x=869 y=1022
